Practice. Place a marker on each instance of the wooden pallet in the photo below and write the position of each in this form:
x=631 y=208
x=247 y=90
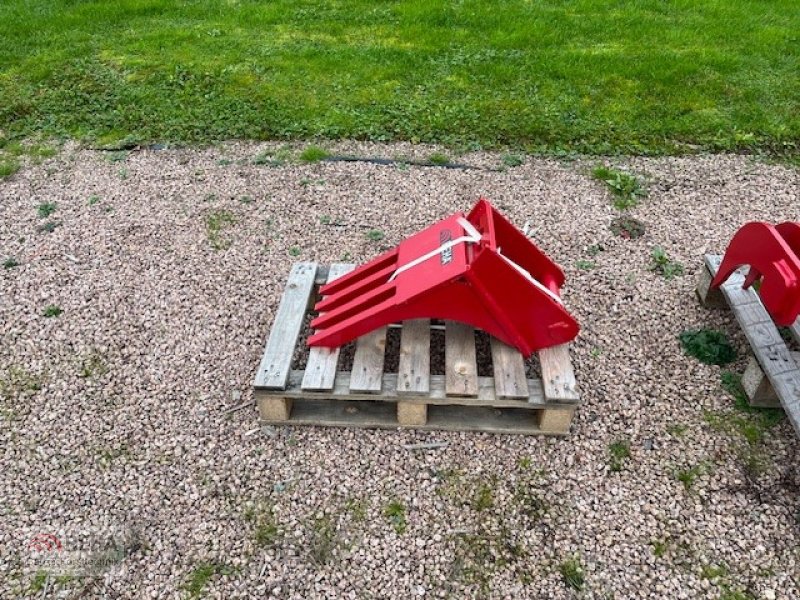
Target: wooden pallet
x=772 y=377
x=365 y=396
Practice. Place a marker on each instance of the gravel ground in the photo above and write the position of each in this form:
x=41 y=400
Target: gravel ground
x=168 y=266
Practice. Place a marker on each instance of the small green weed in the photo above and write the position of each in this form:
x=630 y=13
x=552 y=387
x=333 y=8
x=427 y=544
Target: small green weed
x=395 y=512
x=689 y=476
x=375 y=235
x=246 y=199
x=52 y=311
x=512 y=160
x=323 y=540
x=357 y=509
x=265 y=529
x=595 y=249
x=93 y=200
x=585 y=265
x=314 y=154
x=708 y=346
x=325 y=220
x=123 y=173
x=659 y=548
x=661 y=263
x=714 y=571
x=216 y=223
x=439 y=159
x=201 y=575
x=626 y=188
x=627 y=228
x=19 y=381
x=295 y=251
x=93 y=365
x=525 y=463
x=677 y=430
x=618 y=452
x=483 y=498
x=46 y=209
x=10 y=263
x=49 y=227
x=38 y=581
x=572 y=573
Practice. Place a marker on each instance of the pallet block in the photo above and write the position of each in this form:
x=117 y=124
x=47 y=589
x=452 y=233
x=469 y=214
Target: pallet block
x=366 y=396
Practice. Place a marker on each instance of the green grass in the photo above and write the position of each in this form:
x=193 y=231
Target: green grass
x=557 y=77
x=314 y=154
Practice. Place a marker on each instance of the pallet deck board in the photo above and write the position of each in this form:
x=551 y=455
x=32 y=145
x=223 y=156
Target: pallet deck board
x=321 y=363
x=414 y=371
x=277 y=359
x=765 y=341
x=557 y=374
x=368 y=362
x=326 y=393
x=461 y=364
x=509 y=371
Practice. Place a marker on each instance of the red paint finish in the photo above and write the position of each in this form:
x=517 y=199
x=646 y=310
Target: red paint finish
x=473 y=281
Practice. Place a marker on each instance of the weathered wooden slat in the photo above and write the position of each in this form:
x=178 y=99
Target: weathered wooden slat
x=509 y=371
x=486 y=396
x=273 y=371
x=367 y=375
x=414 y=371
x=557 y=374
x=439 y=417
x=461 y=365
x=321 y=364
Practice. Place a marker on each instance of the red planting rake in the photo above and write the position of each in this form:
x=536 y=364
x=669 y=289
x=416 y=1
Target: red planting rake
x=773 y=252
x=477 y=269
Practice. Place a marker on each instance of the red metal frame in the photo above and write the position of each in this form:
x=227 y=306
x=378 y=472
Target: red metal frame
x=498 y=281
x=773 y=253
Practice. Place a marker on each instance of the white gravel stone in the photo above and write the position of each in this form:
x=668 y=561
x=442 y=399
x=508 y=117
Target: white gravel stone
x=161 y=333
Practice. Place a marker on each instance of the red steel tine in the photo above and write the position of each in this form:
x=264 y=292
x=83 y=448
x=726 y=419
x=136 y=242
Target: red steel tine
x=477 y=269
x=773 y=254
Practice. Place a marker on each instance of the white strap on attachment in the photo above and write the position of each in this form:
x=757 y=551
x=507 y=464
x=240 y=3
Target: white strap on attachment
x=473 y=237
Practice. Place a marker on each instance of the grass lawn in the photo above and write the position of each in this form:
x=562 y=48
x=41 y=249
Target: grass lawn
x=596 y=76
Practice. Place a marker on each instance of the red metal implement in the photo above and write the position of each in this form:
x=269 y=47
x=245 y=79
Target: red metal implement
x=773 y=252
x=477 y=269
